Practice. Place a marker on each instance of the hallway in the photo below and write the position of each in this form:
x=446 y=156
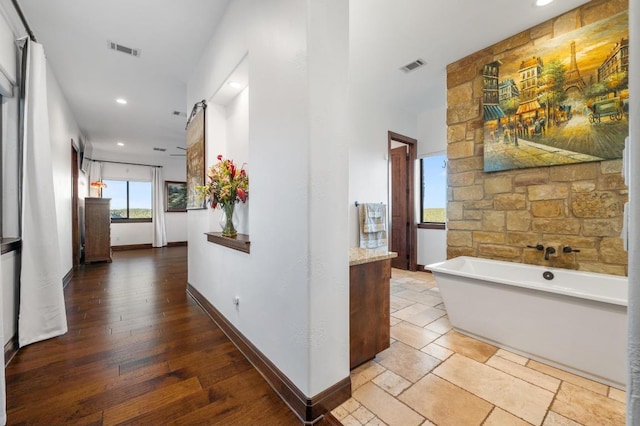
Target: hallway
x=138 y=351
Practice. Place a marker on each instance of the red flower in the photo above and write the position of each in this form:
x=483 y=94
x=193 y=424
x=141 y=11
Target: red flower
x=219 y=157
x=241 y=194
x=214 y=205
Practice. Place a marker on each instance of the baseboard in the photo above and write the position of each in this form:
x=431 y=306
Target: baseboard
x=146 y=246
x=309 y=410
x=10 y=349
x=67 y=278
x=423 y=268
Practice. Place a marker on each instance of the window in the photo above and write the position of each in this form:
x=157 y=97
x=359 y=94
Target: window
x=130 y=201
x=433 y=171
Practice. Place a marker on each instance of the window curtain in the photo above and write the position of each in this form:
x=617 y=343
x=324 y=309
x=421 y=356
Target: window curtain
x=159 y=229
x=3 y=389
x=42 y=310
x=95 y=175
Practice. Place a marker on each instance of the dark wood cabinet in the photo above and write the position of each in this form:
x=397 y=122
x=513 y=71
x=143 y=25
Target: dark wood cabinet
x=369 y=317
x=97 y=230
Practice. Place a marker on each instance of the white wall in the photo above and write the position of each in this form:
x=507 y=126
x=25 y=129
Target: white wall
x=293 y=286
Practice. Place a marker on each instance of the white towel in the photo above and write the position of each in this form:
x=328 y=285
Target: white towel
x=375 y=224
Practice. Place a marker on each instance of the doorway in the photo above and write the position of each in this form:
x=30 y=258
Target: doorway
x=75 y=222
x=402 y=158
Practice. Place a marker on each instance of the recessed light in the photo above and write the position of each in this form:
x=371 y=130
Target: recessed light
x=235 y=84
x=543 y=2
x=120 y=144
x=121 y=101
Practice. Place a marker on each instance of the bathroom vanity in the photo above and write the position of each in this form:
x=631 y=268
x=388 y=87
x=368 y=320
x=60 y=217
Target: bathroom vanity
x=369 y=275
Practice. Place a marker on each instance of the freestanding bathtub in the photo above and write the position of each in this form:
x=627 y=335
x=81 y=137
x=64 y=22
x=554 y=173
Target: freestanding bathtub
x=573 y=320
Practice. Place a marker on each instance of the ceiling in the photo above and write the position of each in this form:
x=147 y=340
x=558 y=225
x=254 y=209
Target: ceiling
x=171 y=34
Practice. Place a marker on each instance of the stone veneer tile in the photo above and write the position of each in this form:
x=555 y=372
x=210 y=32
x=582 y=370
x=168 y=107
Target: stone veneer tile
x=418 y=314
x=441 y=325
x=499 y=417
x=467 y=346
x=518 y=359
x=618 y=395
x=516 y=396
x=587 y=407
x=555 y=419
x=569 y=377
x=527 y=374
x=406 y=361
x=385 y=407
x=391 y=382
x=413 y=335
x=437 y=351
x=444 y=403
x=365 y=373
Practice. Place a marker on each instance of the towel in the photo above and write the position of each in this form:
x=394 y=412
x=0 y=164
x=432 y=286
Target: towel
x=373 y=231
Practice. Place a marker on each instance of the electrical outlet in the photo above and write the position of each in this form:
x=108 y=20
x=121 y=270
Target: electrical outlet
x=236 y=300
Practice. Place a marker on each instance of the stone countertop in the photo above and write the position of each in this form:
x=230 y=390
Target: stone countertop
x=359 y=256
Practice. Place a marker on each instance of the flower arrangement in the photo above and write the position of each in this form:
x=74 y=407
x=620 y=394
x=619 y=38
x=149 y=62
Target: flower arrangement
x=226 y=186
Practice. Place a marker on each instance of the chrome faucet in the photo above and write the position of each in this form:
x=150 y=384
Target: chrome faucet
x=549 y=250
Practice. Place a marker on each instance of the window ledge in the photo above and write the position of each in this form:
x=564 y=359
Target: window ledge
x=431 y=225
x=240 y=243
x=145 y=220
x=10 y=244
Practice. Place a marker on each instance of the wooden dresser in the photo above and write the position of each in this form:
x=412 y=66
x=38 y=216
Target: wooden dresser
x=97 y=230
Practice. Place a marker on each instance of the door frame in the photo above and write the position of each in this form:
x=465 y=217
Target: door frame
x=75 y=220
x=412 y=238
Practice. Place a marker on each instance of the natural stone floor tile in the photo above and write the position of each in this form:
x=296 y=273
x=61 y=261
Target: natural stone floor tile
x=444 y=403
x=414 y=285
x=527 y=374
x=569 y=377
x=467 y=346
x=416 y=296
x=427 y=423
x=418 y=314
x=340 y=412
x=555 y=419
x=391 y=382
x=516 y=396
x=499 y=417
x=413 y=335
x=437 y=351
x=441 y=325
x=618 y=395
x=398 y=303
x=518 y=359
x=376 y=422
x=393 y=321
x=350 y=421
x=365 y=373
x=351 y=405
x=385 y=407
x=363 y=415
x=587 y=407
x=406 y=361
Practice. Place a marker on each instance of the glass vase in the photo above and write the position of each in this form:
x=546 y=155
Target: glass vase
x=229 y=220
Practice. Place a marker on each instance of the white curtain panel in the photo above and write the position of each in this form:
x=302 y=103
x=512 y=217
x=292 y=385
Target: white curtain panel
x=42 y=310
x=159 y=229
x=95 y=174
x=3 y=389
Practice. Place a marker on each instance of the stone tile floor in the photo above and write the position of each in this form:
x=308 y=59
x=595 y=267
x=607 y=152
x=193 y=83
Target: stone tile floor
x=432 y=375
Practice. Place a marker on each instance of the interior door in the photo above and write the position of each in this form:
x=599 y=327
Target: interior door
x=400 y=207
x=75 y=224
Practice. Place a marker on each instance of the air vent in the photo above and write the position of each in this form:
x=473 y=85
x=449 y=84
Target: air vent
x=413 y=65
x=155 y=148
x=179 y=114
x=124 y=49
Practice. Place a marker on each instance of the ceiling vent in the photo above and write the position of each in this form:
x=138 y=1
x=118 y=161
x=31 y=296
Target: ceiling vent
x=155 y=148
x=124 y=49
x=179 y=114
x=413 y=65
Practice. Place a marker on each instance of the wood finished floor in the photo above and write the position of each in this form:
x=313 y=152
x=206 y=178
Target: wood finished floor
x=138 y=351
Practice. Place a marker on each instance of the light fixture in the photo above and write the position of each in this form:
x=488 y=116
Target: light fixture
x=235 y=85
x=120 y=143
x=121 y=101
x=543 y=2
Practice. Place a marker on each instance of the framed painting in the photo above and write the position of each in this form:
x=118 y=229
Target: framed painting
x=196 y=156
x=562 y=101
x=175 y=196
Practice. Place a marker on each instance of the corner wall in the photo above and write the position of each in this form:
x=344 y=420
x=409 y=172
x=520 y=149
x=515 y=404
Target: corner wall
x=496 y=215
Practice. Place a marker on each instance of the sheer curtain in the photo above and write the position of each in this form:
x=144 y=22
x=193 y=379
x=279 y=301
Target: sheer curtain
x=95 y=175
x=42 y=310
x=159 y=229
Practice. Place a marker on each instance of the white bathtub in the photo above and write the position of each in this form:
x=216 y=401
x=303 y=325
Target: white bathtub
x=576 y=321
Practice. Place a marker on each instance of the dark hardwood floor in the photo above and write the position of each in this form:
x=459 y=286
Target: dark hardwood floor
x=138 y=351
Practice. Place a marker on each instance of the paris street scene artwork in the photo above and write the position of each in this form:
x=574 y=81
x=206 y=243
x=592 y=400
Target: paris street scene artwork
x=563 y=101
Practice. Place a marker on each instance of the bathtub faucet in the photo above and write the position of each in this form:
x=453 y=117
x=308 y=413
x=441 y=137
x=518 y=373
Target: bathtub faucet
x=537 y=247
x=549 y=250
x=567 y=249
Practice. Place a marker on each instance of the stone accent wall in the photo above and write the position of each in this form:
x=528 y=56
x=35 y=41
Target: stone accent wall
x=496 y=215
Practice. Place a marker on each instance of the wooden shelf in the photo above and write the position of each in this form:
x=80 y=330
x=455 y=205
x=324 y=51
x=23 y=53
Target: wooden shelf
x=240 y=243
